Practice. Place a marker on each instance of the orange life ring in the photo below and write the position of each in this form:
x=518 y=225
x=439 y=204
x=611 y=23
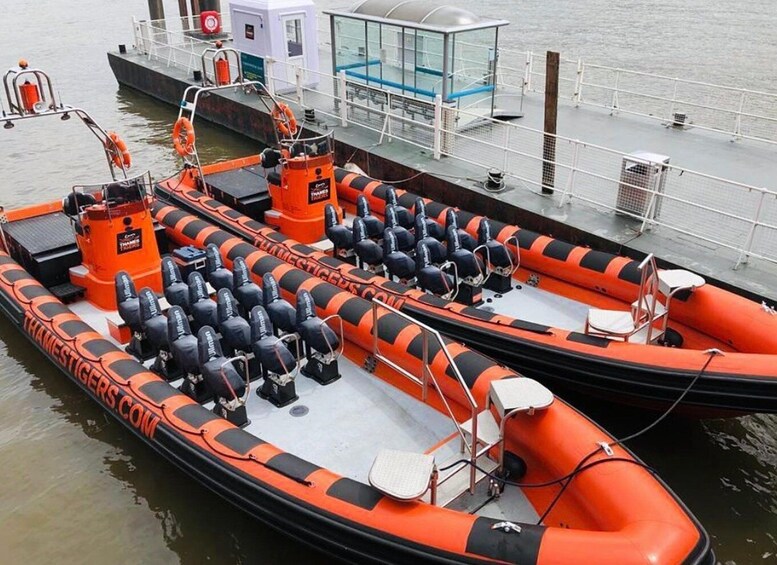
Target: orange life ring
x=284 y=119
x=122 y=157
x=184 y=145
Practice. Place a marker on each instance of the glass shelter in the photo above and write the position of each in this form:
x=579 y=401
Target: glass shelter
x=417 y=49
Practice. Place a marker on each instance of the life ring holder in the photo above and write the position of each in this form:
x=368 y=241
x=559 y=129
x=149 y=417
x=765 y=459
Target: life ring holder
x=183 y=137
x=285 y=120
x=117 y=151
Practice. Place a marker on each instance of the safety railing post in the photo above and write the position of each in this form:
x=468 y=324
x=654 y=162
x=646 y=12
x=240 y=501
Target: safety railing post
x=269 y=79
x=506 y=147
x=566 y=196
x=343 y=99
x=672 y=103
x=614 y=102
x=738 y=121
x=527 y=74
x=437 y=126
x=298 y=75
x=579 y=83
x=744 y=253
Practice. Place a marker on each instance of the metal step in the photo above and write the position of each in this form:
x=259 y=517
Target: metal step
x=458 y=483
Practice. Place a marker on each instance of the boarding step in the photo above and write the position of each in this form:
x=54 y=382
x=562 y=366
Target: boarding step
x=67 y=292
x=488 y=429
x=455 y=481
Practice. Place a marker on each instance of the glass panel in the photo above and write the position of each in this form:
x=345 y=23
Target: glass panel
x=294 y=37
x=351 y=47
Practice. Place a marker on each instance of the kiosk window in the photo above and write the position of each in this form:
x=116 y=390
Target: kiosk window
x=249 y=31
x=294 y=37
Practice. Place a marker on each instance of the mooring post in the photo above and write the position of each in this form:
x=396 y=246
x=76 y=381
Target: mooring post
x=156 y=10
x=551 y=115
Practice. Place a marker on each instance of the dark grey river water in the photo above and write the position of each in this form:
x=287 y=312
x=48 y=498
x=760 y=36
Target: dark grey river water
x=76 y=488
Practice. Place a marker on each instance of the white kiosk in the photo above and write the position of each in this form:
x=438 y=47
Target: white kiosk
x=281 y=30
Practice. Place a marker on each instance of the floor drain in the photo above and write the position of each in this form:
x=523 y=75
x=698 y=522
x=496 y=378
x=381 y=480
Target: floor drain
x=299 y=410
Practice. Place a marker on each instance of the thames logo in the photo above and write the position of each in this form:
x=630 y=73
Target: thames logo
x=129 y=241
x=319 y=190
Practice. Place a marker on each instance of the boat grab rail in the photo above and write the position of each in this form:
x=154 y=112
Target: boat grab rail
x=332 y=355
x=427 y=375
x=288 y=337
x=455 y=290
x=236 y=400
x=487 y=265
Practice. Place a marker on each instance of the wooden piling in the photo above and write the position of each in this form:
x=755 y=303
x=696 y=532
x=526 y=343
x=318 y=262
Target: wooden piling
x=551 y=116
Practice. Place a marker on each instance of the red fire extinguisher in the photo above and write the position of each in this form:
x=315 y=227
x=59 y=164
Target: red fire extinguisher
x=210 y=22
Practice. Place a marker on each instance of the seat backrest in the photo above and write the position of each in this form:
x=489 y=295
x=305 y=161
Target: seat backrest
x=240 y=273
x=391 y=196
x=125 y=288
x=421 y=229
x=177 y=324
x=149 y=305
x=484 y=231
x=75 y=201
x=306 y=308
x=226 y=305
x=170 y=272
x=213 y=258
x=362 y=206
x=423 y=257
x=390 y=243
x=359 y=230
x=198 y=290
x=451 y=219
x=420 y=207
x=330 y=217
x=453 y=240
x=208 y=345
x=391 y=216
x=270 y=289
x=261 y=326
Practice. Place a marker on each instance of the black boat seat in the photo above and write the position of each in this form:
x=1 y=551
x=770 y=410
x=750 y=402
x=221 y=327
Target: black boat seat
x=183 y=345
x=229 y=388
x=340 y=236
x=246 y=291
x=322 y=345
x=404 y=217
x=433 y=229
x=398 y=264
x=176 y=291
x=405 y=239
x=373 y=225
x=234 y=329
x=201 y=307
x=127 y=301
x=152 y=320
x=437 y=250
x=500 y=257
x=278 y=363
x=470 y=267
x=452 y=219
x=282 y=314
x=430 y=277
x=74 y=202
x=218 y=275
x=368 y=253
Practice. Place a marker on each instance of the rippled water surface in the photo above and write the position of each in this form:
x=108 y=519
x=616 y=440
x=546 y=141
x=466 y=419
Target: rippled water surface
x=77 y=488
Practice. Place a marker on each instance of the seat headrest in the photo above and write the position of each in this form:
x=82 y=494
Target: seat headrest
x=213 y=258
x=451 y=219
x=423 y=256
x=391 y=216
x=306 y=308
x=390 y=243
x=420 y=206
x=149 y=305
x=484 y=231
x=125 y=288
x=170 y=272
x=241 y=276
x=270 y=290
x=197 y=287
x=362 y=206
x=261 y=326
x=359 y=230
x=452 y=238
x=208 y=345
x=421 y=229
x=391 y=196
x=270 y=158
x=177 y=324
x=227 y=305
x=330 y=216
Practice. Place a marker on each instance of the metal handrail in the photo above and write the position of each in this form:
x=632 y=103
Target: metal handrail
x=426 y=374
x=238 y=400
